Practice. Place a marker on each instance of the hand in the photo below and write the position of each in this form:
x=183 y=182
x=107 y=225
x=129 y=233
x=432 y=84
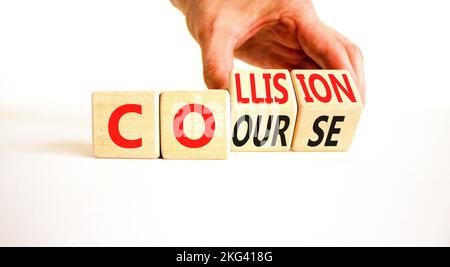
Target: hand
x=271 y=34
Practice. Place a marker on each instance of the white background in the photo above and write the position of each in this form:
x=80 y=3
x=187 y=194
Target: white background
x=392 y=188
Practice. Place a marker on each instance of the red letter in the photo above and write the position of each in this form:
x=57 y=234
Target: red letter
x=178 y=126
x=301 y=78
x=347 y=91
x=113 y=126
x=266 y=77
x=240 y=99
x=255 y=98
x=280 y=88
x=312 y=85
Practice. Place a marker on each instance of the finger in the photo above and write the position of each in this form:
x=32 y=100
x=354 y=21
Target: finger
x=272 y=60
x=217 y=55
x=357 y=60
x=264 y=52
x=330 y=51
x=321 y=44
x=258 y=46
x=295 y=58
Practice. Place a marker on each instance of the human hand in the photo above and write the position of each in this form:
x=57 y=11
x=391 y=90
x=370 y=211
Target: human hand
x=282 y=34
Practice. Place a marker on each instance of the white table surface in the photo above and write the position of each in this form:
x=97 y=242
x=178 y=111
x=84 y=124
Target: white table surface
x=392 y=188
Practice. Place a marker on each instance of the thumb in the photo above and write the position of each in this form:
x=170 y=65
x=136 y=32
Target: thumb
x=320 y=43
x=330 y=50
x=217 y=54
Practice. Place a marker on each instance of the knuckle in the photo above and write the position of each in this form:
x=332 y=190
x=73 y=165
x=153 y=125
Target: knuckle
x=355 y=51
x=211 y=68
x=211 y=26
x=214 y=74
x=206 y=21
x=324 y=50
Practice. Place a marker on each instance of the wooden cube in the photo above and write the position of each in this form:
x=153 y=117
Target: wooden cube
x=329 y=109
x=126 y=124
x=263 y=110
x=195 y=124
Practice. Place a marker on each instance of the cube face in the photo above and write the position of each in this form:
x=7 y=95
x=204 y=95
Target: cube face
x=126 y=124
x=325 y=130
x=195 y=124
x=329 y=110
x=263 y=110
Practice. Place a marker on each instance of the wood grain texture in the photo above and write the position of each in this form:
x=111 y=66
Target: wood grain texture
x=264 y=110
x=327 y=99
x=216 y=103
x=132 y=126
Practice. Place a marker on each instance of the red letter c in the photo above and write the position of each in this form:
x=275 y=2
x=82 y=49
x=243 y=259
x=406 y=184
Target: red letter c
x=113 y=126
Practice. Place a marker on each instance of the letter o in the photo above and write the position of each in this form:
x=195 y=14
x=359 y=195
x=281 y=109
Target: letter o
x=178 y=126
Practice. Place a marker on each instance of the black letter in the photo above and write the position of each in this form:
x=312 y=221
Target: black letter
x=256 y=141
x=318 y=131
x=236 y=140
x=281 y=132
x=334 y=130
